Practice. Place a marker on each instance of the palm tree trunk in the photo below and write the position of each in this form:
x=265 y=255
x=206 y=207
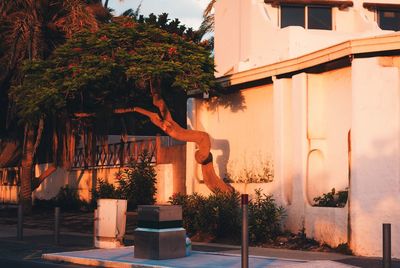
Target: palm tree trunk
x=27 y=165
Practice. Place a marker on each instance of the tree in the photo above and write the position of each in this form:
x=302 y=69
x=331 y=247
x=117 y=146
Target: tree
x=207 y=25
x=124 y=64
x=30 y=30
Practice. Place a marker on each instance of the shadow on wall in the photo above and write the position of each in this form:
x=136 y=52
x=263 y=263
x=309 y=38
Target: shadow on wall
x=375 y=195
x=218 y=145
x=222 y=159
x=234 y=101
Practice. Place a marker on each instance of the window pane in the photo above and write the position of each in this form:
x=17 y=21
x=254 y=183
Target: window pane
x=389 y=19
x=319 y=18
x=292 y=16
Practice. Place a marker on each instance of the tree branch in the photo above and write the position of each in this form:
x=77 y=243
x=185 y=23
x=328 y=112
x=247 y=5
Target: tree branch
x=50 y=170
x=84 y=115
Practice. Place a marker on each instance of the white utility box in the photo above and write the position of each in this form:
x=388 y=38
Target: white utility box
x=110 y=223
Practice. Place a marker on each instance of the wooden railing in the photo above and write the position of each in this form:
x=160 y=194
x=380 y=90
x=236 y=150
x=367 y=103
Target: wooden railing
x=115 y=155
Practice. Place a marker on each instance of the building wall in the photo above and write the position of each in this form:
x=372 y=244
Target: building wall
x=336 y=129
x=241 y=131
x=375 y=180
x=297 y=125
x=251 y=28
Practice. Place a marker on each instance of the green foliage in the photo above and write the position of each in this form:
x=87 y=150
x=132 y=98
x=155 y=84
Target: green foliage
x=115 y=66
x=137 y=184
x=172 y=26
x=265 y=218
x=344 y=249
x=261 y=173
x=104 y=189
x=68 y=199
x=219 y=216
x=332 y=199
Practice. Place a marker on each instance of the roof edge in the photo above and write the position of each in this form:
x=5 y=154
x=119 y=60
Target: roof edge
x=384 y=43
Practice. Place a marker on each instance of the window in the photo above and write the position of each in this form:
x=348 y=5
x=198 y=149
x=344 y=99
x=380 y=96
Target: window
x=319 y=18
x=315 y=17
x=389 y=19
x=292 y=16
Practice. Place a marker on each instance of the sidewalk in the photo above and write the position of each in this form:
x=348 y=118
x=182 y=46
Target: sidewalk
x=123 y=258
x=37 y=242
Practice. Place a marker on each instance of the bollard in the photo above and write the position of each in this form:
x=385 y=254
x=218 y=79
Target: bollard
x=387 y=246
x=20 y=222
x=95 y=227
x=245 y=231
x=56 y=225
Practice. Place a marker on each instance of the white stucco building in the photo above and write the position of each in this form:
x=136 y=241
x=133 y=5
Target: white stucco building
x=312 y=95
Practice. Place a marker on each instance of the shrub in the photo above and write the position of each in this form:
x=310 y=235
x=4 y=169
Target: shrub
x=104 y=189
x=332 y=199
x=193 y=212
x=265 y=218
x=226 y=208
x=137 y=183
x=44 y=204
x=219 y=216
x=68 y=199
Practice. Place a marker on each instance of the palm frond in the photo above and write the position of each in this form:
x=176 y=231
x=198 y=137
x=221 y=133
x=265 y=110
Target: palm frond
x=209 y=8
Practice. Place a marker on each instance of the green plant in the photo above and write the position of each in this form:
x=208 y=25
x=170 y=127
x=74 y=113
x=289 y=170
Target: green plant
x=259 y=171
x=226 y=210
x=68 y=199
x=104 y=189
x=216 y=216
x=137 y=184
x=344 y=249
x=332 y=199
x=265 y=218
x=219 y=216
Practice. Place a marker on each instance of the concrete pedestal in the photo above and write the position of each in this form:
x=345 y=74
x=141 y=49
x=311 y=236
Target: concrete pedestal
x=160 y=234
x=110 y=223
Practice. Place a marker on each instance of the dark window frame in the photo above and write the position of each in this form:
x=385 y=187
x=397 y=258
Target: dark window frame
x=381 y=7
x=329 y=23
x=292 y=7
x=306 y=16
x=380 y=11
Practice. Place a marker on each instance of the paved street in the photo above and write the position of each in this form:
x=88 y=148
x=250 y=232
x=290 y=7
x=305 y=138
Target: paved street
x=38 y=240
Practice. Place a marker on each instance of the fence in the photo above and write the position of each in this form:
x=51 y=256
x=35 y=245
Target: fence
x=114 y=155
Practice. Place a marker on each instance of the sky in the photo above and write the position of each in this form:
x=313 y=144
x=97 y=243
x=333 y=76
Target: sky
x=189 y=12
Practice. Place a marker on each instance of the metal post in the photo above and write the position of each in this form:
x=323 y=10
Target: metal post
x=387 y=246
x=20 y=222
x=56 y=225
x=245 y=231
x=95 y=227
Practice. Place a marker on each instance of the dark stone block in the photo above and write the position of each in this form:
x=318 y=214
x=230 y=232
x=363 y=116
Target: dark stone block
x=158 y=237
x=160 y=213
x=168 y=244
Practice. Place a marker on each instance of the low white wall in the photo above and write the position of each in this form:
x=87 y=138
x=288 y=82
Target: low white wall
x=9 y=194
x=83 y=181
x=327 y=225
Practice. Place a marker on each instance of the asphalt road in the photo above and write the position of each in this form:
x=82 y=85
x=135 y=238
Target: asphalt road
x=8 y=263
